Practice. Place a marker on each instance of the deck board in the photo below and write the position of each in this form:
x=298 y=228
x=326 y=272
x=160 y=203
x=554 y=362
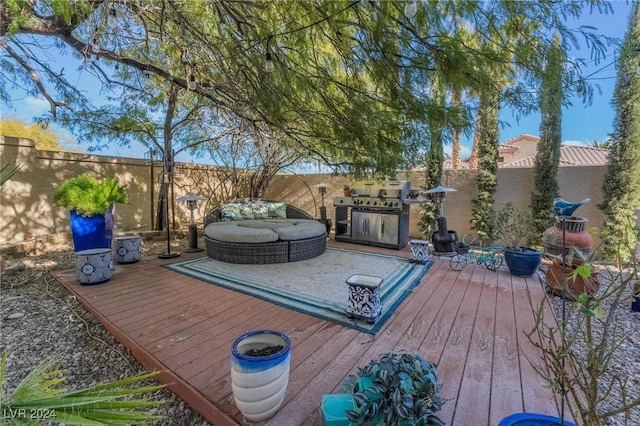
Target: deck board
x=470 y=323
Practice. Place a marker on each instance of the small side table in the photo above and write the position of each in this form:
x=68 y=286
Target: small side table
x=419 y=251
x=127 y=249
x=364 y=297
x=94 y=266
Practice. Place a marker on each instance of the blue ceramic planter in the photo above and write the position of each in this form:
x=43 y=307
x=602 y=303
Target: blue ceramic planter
x=522 y=263
x=93 y=231
x=533 y=419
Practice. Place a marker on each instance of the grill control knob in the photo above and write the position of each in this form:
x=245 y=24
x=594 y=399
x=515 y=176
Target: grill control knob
x=368 y=202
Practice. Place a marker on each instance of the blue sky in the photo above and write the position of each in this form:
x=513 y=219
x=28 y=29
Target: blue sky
x=580 y=124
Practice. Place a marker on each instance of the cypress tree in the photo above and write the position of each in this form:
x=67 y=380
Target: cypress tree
x=548 y=156
x=488 y=133
x=621 y=185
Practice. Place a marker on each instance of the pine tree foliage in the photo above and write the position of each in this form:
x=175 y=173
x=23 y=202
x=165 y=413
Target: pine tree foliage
x=621 y=185
x=351 y=85
x=482 y=215
x=548 y=157
x=435 y=158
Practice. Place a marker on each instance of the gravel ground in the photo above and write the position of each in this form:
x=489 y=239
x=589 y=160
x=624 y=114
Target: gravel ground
x=625 y=362
x=41 y=321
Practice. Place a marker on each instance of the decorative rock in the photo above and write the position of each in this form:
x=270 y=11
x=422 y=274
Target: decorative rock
x=14 y=269
x=94 y=266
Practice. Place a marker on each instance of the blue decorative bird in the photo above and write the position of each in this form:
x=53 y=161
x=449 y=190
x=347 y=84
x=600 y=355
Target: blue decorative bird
x=566 y=208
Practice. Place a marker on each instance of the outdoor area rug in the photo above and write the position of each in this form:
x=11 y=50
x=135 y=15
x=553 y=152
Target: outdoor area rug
x=315 y=286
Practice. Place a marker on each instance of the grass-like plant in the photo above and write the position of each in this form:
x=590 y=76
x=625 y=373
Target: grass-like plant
x=36 y=400
x=88 y=196
x=404 y=391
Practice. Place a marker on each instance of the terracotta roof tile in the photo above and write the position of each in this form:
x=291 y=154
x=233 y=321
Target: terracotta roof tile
x=570 y=156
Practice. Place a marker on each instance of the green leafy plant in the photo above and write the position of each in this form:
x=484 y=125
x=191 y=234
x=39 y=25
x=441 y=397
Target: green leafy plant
x=37 y=401
x=88 y=196
x=404 y=390
x=514 y=226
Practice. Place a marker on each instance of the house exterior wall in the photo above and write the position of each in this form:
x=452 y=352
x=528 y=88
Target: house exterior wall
x=27 y=211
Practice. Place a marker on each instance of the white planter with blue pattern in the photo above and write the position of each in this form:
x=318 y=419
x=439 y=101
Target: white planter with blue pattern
x=259 y=383
x=94 y=266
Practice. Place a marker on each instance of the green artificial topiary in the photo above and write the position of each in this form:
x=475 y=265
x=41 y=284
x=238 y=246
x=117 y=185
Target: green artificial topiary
x=87 y=196
x=404 y=390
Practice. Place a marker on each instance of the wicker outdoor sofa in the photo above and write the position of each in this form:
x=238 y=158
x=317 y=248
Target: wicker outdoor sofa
x=289 y=235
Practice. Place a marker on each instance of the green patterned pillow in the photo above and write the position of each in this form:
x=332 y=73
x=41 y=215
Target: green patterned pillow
x=278 y=210
x=260 y=210
x=230 y=212
x=246 y=211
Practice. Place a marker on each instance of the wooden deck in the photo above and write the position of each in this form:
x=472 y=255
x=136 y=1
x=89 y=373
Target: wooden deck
x=470 y=323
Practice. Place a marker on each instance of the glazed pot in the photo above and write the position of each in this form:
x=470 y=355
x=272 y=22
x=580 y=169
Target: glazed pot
x=259 y=383
x=568 y=232
x=558 y=274
x=533 y=419
x=523 y=262
x=89 y=232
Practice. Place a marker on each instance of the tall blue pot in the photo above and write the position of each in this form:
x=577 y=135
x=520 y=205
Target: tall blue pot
x=93 y=231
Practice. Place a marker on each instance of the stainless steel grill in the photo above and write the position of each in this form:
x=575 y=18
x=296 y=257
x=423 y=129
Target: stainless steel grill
x=376 y=213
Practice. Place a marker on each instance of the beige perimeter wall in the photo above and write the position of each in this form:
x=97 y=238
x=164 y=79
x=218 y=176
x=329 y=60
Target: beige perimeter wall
x=27 y=210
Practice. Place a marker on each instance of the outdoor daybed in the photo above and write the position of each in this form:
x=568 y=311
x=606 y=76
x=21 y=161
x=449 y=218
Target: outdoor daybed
x=262 y=232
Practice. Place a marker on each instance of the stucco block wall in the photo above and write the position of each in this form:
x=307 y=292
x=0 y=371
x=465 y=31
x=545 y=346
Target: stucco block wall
x=27 y=210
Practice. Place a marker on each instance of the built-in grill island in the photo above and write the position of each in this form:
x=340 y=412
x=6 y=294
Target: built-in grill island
x=376 y=213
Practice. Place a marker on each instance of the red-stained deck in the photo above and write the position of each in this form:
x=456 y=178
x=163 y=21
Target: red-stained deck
x=471 y=323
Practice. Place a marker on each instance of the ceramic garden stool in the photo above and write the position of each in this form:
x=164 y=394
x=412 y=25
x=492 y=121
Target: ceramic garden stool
x=364 y=297
x=94 y=266
x=419 y=251
x=127 y=249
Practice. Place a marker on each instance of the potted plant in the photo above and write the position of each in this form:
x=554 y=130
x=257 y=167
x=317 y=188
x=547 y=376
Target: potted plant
x=397 y=389
x=260 y=362
x=570 y=275
x=514 y=226
x=91 y=206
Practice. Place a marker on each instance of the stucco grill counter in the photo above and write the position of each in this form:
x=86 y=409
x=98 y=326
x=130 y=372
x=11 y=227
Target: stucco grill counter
x=376 y=213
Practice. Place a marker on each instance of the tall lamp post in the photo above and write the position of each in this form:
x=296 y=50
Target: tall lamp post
x=192 y=204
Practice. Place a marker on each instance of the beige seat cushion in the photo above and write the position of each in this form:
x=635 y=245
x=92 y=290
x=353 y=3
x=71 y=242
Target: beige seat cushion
x=301 y=230
x=232 y=233
x=264 y=230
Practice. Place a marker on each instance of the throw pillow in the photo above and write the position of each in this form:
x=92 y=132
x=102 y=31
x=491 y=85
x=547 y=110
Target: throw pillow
x=230 y=212
x=260 y=210
x=278 y=210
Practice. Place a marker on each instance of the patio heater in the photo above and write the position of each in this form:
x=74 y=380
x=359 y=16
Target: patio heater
x=192 y=204
x=443 y=240
x=322 y=188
